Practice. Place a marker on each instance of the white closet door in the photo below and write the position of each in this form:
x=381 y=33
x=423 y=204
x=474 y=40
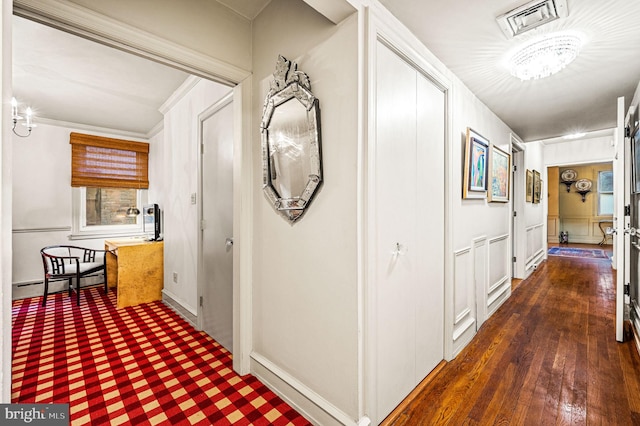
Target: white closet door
x=409 y=228
x=430 y=228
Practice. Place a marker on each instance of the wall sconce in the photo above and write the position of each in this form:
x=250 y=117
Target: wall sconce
x=16 y=117
x=568 y=177
x=583 y=187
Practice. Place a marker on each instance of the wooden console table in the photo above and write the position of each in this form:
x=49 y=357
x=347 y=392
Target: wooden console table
x=136 y=268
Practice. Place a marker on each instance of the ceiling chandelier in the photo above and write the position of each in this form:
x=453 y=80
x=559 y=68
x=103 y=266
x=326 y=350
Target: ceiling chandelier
x=544 y=56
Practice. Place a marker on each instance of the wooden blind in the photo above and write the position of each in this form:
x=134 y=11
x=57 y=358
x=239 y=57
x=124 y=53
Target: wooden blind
x=100 y=162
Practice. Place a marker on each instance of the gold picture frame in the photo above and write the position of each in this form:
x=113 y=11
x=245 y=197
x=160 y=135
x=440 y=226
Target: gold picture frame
x=537 y=187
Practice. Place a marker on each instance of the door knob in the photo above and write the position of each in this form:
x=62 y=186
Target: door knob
x=228 y=243
x=400 y=250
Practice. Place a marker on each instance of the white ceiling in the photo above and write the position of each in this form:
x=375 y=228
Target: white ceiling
x=67 y=78
x=465 y=36
x=70 y=79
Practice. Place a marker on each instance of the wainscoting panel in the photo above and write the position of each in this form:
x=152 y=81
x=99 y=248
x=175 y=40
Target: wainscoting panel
x=480 y=275
x=27 y=262
x=499 y=273
x=576 y=227
x=585 y=230
x=534 y=241
x=464 y=299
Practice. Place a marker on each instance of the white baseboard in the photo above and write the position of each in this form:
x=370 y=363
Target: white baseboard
x=181 y=310
x=314 y=407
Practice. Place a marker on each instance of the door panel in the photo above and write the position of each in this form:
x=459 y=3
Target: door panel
x=217 y=213
x=396 y=207
x=409 y=228
x=430 y=228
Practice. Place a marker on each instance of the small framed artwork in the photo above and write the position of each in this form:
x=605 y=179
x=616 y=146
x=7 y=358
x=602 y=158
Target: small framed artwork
x=537 y=186
x=475 y=166
x=499 y=175
x=529 y=186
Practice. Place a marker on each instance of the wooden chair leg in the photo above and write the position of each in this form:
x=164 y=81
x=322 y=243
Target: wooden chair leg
x=70 y=285
x=106 y=287
x=46 y=291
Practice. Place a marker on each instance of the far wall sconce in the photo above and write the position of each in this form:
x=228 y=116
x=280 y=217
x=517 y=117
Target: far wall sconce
x=568 y=177
x=17 y=117
x=583 y=187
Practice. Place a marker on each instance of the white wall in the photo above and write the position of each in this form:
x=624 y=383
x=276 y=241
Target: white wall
x=535 y=215
x=177 y=165
x=304 y=288
x=581 y=151
x=205 y=26
x=481 y=247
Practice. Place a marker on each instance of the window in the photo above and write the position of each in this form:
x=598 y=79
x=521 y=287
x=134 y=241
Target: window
x=107 y=206
x=605 y=193
x=108 y=177
x=101 y=212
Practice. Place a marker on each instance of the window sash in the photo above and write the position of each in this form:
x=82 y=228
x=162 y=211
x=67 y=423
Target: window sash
x=605 y=204
x=602 y=175
x=108 y=163
x=80 y=230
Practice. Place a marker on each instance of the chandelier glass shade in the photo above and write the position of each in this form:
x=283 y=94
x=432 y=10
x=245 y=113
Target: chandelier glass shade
x=544 y=57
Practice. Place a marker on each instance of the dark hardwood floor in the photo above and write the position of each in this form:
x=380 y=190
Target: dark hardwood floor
x=548 y=356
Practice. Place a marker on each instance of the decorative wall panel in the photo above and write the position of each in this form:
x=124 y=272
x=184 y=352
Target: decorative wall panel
x=464 y=299
x=480 y=269
x=499 y=273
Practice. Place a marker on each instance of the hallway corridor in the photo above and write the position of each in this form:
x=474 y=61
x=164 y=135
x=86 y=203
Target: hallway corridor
x=547 y=356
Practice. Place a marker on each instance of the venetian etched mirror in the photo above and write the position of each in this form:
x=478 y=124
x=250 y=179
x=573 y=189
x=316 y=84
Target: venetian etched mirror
x=291 y=158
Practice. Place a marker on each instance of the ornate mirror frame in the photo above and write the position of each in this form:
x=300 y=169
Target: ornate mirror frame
x=290 y=128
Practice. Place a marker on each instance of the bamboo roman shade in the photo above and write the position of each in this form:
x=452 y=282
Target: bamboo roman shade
x=99 y=162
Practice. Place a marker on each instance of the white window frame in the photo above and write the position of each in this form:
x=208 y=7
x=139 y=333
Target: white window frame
x=599 y=212
x=81 y=231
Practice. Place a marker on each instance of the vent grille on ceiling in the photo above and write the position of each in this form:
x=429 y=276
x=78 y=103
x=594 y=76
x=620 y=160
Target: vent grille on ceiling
x=531 y=15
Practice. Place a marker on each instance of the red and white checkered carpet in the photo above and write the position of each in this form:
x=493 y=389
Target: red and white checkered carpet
x=142 y=365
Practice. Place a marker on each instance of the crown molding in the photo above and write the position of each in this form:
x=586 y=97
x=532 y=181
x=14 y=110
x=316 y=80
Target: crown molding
x=179 y=93
x=92 y=129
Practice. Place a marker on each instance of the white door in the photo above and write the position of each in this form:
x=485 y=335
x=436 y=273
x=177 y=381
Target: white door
x=409 y=228
x=217 y=214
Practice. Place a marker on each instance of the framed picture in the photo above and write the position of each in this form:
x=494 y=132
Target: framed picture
x=499 y=175
x=537 y=187
x=475 y=166
x=529 y=186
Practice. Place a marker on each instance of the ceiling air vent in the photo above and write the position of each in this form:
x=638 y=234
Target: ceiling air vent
x=531 y=15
